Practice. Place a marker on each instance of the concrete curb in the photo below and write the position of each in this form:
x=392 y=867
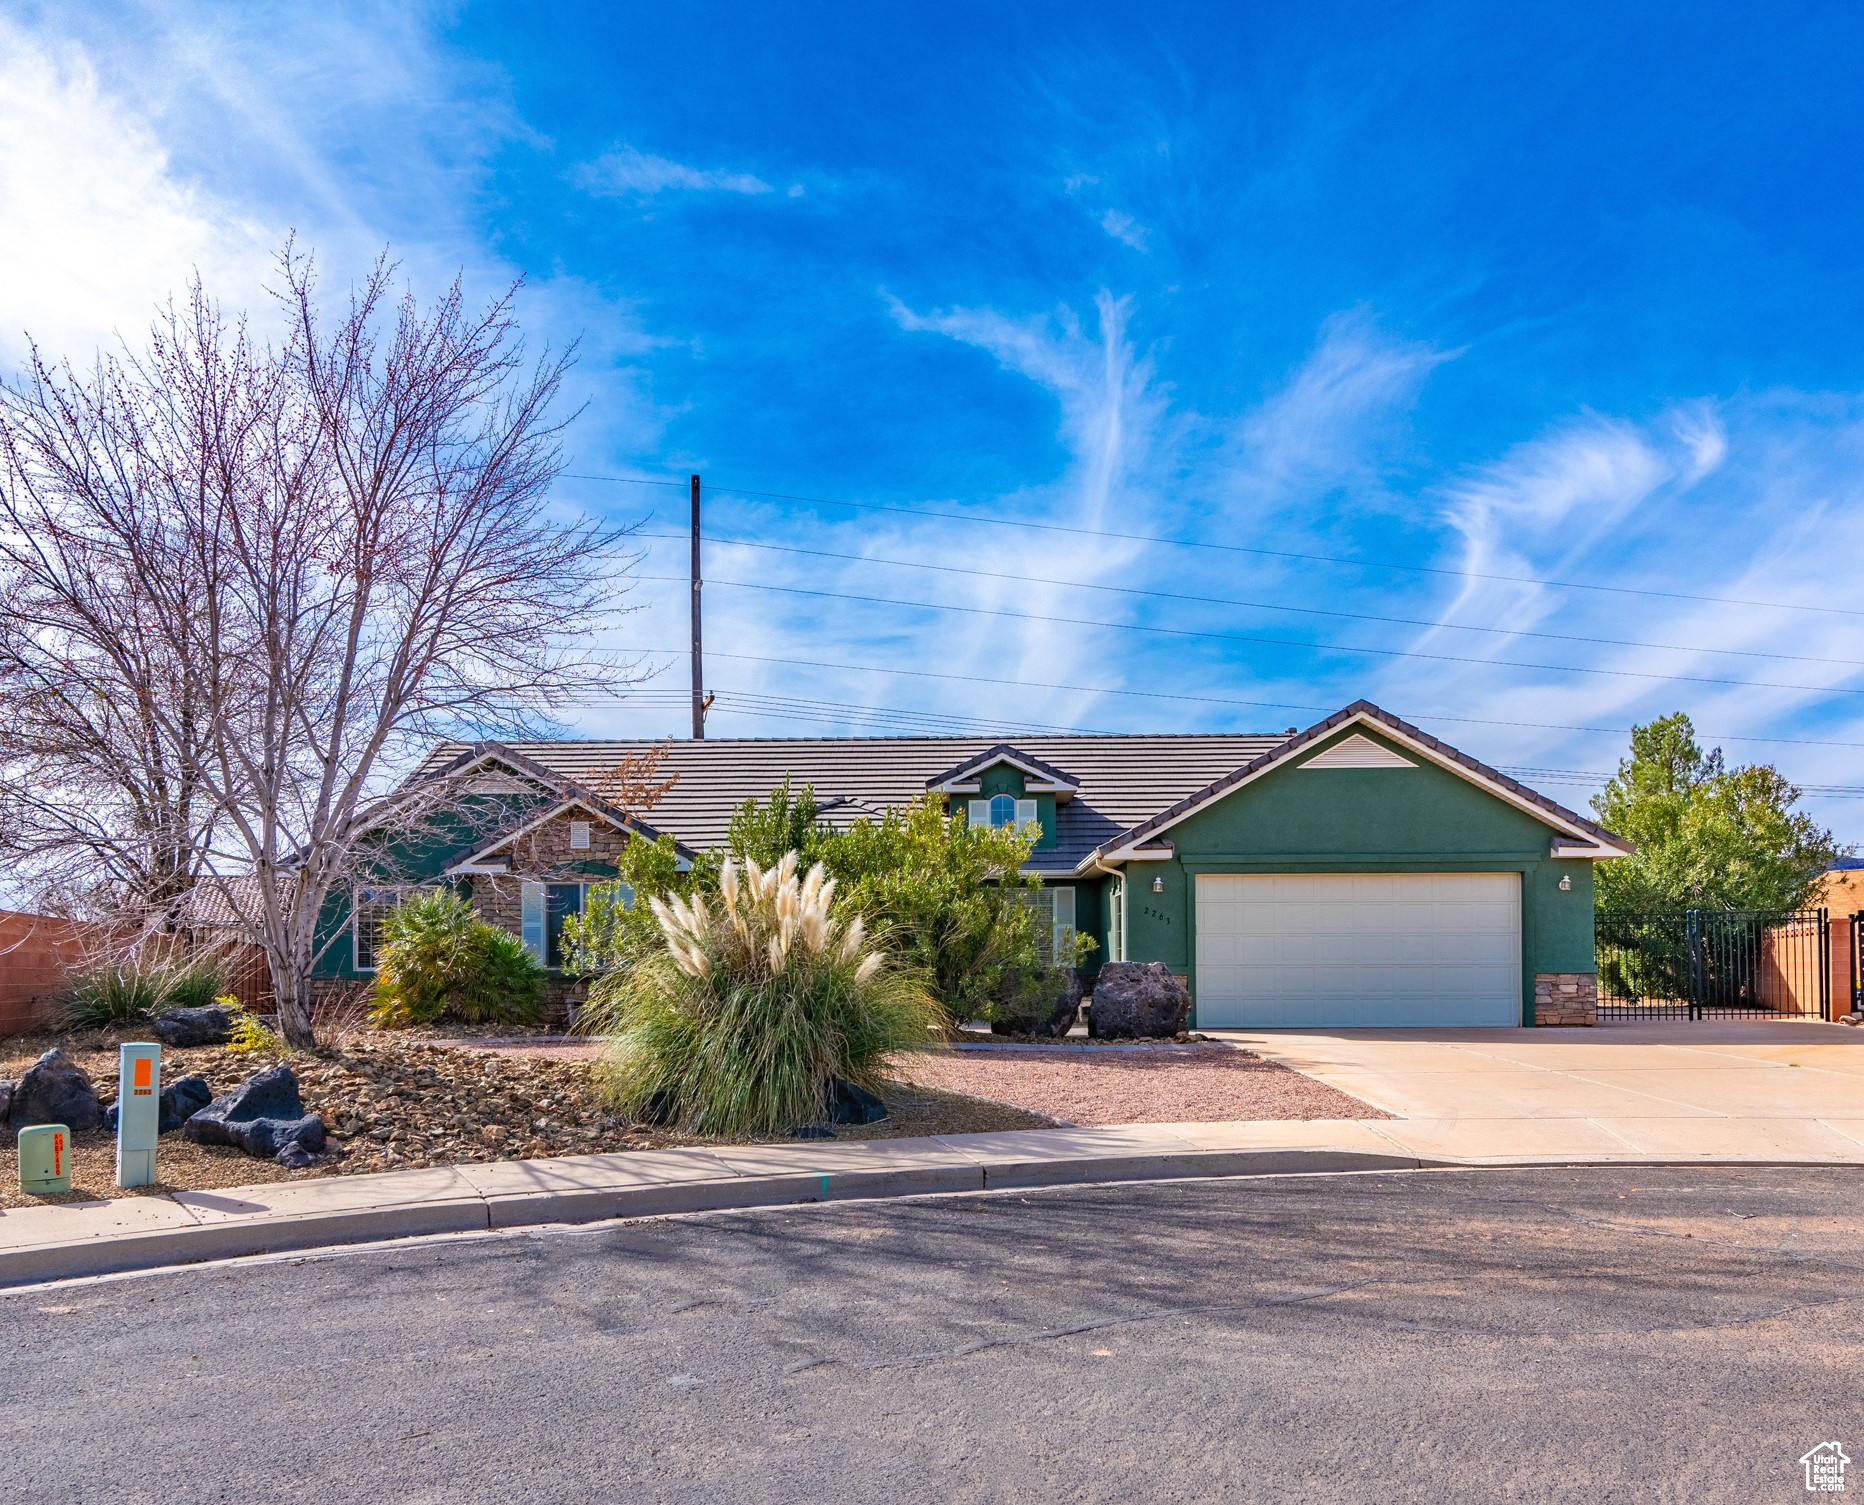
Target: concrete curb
x=54 y=1243
x=262 y=1233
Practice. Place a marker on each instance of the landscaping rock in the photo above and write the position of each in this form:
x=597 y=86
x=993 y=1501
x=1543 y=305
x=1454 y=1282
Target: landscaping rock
x=1045 y=1004
x=210 y=1025
x=55 y=1090
x=181 y=1100
x=262 y=1116
x=1137 y=1000
x=6 y=1099
x=849 y=1104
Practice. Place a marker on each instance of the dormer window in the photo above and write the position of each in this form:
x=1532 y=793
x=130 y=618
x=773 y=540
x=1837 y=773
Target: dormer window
x=1001 y=810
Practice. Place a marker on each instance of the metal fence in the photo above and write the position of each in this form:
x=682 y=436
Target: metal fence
x=1713 y=964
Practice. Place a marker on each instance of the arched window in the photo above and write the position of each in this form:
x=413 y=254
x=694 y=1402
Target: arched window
x=1003 y=810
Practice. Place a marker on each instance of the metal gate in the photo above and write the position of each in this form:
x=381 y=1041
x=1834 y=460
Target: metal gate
x=1714 y=964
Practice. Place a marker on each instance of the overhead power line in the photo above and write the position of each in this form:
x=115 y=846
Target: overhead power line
x=1243 y=637
x=1308 y=611
x=1182 y=698
x=1229 y=548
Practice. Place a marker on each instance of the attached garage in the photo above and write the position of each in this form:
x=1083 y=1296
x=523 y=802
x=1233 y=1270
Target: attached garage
x=1291 y=950
x=1363 y=874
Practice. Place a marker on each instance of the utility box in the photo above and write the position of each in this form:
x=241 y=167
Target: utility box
x=139 y=1112
x=44 y=1159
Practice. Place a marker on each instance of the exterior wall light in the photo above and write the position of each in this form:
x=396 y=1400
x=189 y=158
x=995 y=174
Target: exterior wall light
x=1158 y=885
x=1566 y=884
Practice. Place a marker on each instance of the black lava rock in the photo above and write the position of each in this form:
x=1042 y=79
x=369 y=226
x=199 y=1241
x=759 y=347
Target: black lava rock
x=181 y=1100
x=211 y=1025
x=1040 y=1003
x=294 y=1157
x=849 y=1104
x=6 y=1099
x=262 y=1116
x=1137 y=1000
x=55 y=1090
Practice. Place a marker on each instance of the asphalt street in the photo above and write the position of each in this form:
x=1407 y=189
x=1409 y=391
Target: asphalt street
x=1559 y=1335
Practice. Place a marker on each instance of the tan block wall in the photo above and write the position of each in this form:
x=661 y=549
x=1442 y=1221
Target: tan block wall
x=1566 y=998
x=1841 y=892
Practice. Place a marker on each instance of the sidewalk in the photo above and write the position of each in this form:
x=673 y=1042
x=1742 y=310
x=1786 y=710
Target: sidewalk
x=55 y=1242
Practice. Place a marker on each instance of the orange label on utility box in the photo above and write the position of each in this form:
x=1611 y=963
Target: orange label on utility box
x=58 y=1154
x=143 y=1065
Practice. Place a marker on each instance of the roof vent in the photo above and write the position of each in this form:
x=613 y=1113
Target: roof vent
x=1358 y=752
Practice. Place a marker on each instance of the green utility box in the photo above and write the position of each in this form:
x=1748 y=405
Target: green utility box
x=44 y=1159
x=139 y=1112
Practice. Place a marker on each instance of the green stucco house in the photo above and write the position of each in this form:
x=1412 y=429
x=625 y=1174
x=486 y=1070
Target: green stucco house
x=1360 y=873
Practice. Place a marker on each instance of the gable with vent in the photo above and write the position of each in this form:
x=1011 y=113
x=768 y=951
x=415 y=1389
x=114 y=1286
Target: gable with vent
x=1358 y=751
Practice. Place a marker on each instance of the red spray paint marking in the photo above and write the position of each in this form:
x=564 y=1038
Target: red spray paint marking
x=58 y=1154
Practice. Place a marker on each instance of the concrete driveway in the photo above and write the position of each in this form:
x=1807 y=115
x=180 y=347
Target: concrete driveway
x=1745 y=1089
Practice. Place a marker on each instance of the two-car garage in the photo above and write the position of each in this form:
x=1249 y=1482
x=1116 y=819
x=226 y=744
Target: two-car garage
x=1290 y=950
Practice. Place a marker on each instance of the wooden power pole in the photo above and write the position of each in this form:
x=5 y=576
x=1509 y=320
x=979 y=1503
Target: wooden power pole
x=698 y=662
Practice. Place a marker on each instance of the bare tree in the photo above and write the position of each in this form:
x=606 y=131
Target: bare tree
x=634 y=784
x=369 y=562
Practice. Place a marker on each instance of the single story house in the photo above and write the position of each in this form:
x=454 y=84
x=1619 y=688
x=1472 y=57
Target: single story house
x=1358 y=873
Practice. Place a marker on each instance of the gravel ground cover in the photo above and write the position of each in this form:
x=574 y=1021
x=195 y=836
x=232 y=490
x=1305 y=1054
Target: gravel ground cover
x=1165 y=1084
x=393 y=1102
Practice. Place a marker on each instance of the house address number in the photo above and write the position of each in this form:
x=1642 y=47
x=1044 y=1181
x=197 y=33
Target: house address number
x=1153 y=913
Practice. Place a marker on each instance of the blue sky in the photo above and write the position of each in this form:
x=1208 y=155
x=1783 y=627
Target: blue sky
x=1501 y=299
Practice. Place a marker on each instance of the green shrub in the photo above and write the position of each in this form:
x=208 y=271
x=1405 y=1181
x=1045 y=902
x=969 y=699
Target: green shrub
x=129 y=990
x=617 y=924
x=950 y=899
x=438 y=960
x=750 y=1006
x=195 y=982
x=114 y=993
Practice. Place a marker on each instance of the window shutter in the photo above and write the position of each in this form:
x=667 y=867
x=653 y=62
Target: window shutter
x=1025 y=812
x=977 y=813
x=1064 y=919
x=531 y=919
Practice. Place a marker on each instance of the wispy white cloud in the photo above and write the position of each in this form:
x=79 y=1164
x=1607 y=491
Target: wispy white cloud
x=1748 y=501
x=1321 y=428
x=1125 y=229
x=627 y=172
x=100 y=226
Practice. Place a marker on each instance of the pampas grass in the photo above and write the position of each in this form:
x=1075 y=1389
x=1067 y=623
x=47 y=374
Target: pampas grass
x=756 y=1002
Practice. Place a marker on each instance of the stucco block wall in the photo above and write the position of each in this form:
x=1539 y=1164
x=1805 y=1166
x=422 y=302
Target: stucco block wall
x=1357 y=820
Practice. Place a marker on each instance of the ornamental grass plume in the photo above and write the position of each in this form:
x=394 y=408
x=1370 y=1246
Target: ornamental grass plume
x=756 y=1002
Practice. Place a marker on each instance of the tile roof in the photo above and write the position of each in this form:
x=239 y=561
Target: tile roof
x=1124 y=780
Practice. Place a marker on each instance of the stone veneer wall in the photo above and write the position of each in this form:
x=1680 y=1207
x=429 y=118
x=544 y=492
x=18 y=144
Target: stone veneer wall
x=1566 y=998
x=543 y=856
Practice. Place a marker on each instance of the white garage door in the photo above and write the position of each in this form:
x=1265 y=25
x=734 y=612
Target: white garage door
x=1285 y=950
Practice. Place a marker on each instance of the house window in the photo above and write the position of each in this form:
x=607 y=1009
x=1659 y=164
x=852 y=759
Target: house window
x=369 y=908
x=543 y=907
x=1001 y=810
x=1116 y=921
x=579 y=836
x=1054 y=927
